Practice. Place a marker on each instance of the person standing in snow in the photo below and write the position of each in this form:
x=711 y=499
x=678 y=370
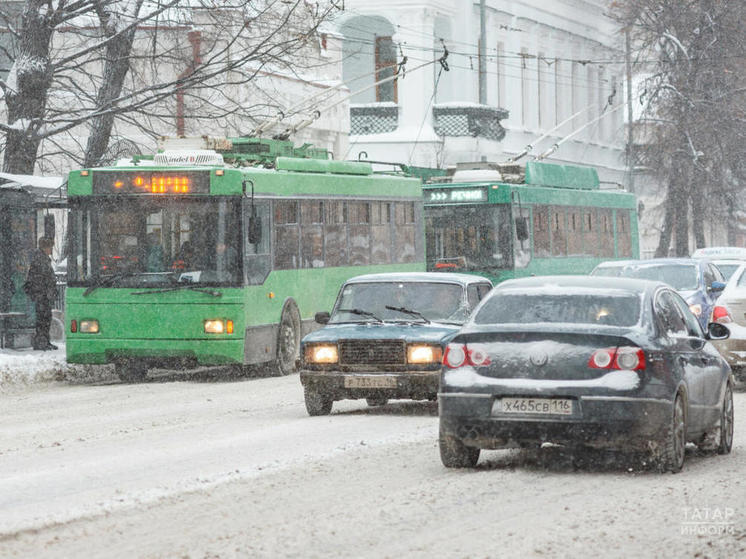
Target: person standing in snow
x=41 y=287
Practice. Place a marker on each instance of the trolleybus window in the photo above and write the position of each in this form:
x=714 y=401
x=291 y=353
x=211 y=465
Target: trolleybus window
x=133 y=242
x=474 y=238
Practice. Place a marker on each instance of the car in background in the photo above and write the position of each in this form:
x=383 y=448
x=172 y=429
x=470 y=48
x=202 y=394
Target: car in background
x=385 y=337
x=731 y=311
x=585 y=362
x=698 y=281
x=727 y=267
x=719 y=253
x=611 y=268
x=727 y=259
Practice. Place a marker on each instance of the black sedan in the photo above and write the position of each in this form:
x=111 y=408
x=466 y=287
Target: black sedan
x=585 y=362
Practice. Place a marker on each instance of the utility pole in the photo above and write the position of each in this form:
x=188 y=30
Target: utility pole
x=482 y=53
x=630 y=134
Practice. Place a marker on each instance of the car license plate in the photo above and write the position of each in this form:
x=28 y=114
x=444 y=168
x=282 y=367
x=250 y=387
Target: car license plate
x=543 y=406
x=370 y=382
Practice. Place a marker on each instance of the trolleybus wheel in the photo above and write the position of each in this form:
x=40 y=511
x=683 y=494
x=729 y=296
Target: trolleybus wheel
x=131 y=371
x=288 y=341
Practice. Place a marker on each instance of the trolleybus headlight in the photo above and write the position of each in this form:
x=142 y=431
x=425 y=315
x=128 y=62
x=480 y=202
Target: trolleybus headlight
x=321 y=353
x=89 y=326
x=423 y=354
x=216 y=326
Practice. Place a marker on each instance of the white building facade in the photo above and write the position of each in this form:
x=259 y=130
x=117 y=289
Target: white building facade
x=542 y=63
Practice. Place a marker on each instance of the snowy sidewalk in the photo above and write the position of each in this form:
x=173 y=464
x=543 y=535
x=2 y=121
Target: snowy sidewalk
x=19 y=367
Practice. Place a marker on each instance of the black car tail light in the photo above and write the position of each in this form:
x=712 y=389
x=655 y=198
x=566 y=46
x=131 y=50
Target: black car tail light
x=628 y=358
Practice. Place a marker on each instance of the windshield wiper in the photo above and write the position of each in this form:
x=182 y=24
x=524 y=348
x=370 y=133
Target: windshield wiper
x=178 y=287
x=360 y=312
x=408 y=311
x=101 y=281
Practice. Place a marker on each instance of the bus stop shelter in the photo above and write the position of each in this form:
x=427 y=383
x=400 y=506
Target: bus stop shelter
x=30 y=207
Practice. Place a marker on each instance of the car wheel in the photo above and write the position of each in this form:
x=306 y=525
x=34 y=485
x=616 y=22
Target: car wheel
x=720 y=438
x=455 y=454
x=674 y=444
x=288 y=342
x=317 y=403
x=131 y=371
x=376 y=401
x=726 y=422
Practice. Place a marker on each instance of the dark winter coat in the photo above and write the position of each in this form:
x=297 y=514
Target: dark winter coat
x=41 y=283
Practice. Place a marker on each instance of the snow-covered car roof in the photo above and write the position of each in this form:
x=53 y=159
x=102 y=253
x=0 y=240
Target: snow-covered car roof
x=420 y=277
x=721 y=253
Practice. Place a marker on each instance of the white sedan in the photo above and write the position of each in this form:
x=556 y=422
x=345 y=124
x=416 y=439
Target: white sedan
x=730 y=310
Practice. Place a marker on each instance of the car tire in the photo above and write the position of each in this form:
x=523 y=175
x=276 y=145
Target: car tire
x=374 y=402
x=288 y=342
x=674 y=443
x=131 y=371
x=725 y=442
x=720 y=439
x=317 y=403
x=455 y=454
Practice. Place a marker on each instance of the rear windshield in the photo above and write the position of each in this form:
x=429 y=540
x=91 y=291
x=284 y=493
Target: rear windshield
x=580 y=308
x=682 y=277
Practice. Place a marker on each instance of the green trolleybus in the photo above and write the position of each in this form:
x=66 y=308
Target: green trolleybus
x=511 y=221
x=221 y=256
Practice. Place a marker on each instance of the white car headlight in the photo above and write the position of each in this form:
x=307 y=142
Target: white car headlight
x=421 y=354
x=321 y=353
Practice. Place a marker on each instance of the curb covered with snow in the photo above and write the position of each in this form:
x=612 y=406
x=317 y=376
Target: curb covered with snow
x=26 y=366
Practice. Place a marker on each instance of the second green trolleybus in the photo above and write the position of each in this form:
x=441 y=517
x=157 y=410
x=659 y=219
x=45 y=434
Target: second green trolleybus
x=517 y=221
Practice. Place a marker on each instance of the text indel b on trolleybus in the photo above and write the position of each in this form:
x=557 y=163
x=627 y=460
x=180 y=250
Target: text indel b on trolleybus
x=207 y=258
x=513 y=221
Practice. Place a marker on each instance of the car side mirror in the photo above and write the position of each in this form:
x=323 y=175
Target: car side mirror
x=717 y=331
x=716 y=286
x=322 y=317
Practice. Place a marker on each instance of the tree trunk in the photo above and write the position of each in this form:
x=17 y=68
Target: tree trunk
x=698 y=220
x=26 y=95
x=664 y=242
x=115 y=71
x=681 y=227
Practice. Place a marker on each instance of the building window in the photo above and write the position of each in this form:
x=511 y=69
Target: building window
x=385 y=68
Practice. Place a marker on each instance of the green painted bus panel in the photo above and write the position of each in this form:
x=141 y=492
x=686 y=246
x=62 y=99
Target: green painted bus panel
x=323 y=166
x=99 y=351
x=561 y=176
x=283 y=183
x=78 y=185
x=504 y=194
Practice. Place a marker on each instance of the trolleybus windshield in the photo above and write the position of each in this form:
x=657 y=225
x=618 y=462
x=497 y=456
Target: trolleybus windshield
x=469 y=237
x=134 y=242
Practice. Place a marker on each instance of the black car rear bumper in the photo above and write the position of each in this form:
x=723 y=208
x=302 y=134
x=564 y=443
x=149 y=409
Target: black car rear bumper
x=415 y=385
x=600 y=421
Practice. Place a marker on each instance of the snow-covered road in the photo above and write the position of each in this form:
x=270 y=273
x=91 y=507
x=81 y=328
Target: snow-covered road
x=185 y=467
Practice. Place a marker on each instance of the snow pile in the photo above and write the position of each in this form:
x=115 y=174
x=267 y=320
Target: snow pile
x=22 y=367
